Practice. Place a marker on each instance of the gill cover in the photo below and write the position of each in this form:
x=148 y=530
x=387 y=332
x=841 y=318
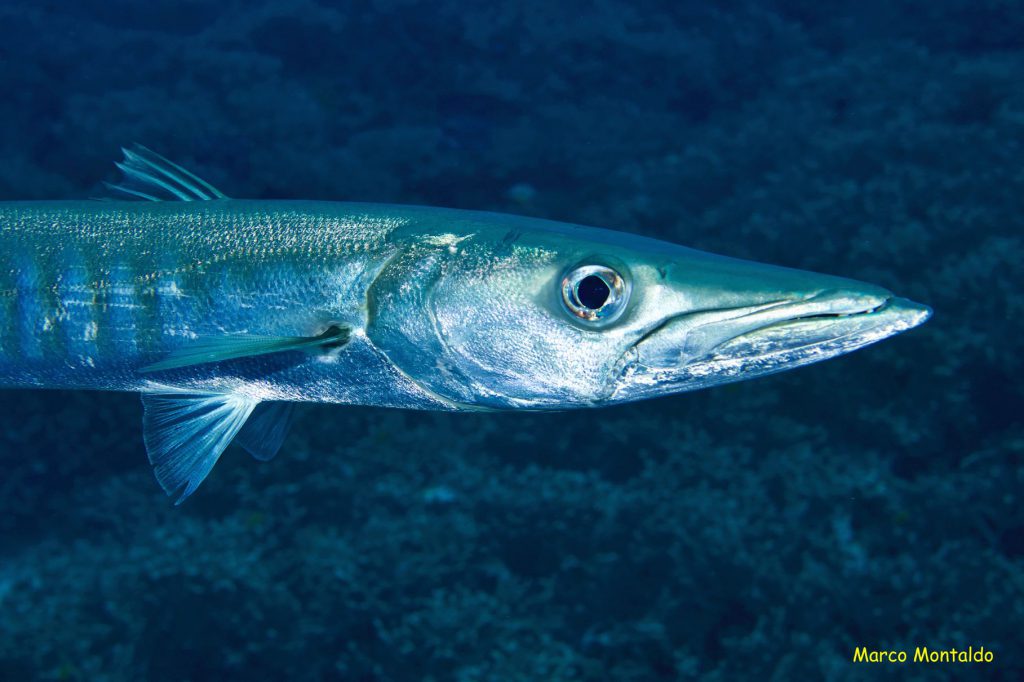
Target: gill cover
x=483 y=319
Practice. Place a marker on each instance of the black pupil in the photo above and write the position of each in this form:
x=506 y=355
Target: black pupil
x=592 y=292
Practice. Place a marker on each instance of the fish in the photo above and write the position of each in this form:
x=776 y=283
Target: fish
x=225 y=313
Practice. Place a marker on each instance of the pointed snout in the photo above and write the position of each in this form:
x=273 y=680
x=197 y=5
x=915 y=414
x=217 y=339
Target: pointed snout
x=734 y=319
x=908 y=312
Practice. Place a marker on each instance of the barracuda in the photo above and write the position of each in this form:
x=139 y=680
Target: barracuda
x=224 y=313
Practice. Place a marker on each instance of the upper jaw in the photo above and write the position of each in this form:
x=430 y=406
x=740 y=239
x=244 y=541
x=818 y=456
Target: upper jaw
x=699 y=349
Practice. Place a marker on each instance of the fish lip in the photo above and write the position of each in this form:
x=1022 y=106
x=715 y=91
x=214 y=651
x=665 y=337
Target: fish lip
x=826 y=304
x=815 y=335
x=911 y=314
x=823 y=324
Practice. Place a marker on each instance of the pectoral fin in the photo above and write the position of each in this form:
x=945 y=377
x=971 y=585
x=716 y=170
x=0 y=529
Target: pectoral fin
x=266 y=429
x=218 y=349
x=186 y=432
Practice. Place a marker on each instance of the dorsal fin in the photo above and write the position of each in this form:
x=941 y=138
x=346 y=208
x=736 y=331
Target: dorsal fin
x=148 y=176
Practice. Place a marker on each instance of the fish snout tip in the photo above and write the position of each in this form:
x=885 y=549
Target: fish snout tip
x=874 y=302
x=911 y=313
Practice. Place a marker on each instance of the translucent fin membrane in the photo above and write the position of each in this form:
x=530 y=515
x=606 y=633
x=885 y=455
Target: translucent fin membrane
x=186 y=432
x=221 y=348
x=266 y=429
x=147 y=176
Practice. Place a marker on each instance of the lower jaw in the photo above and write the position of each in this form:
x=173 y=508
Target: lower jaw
x=776 y=348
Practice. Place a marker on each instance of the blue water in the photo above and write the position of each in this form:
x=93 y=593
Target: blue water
x=760 y=531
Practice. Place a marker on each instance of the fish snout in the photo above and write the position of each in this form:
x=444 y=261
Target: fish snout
x=707 y=347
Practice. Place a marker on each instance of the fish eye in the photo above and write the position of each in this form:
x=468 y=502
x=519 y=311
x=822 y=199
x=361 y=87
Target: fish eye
x=596 y=294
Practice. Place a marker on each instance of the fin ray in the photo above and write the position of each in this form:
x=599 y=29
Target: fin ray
x=131 y=192
x=150 y=177
x=218 y=349
x=186 y=432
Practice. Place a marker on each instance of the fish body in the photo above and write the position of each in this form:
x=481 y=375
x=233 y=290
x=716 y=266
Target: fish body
x=223 y=313
x=95 y=292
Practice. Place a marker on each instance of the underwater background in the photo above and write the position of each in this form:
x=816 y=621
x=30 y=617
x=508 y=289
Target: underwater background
x=758 y=531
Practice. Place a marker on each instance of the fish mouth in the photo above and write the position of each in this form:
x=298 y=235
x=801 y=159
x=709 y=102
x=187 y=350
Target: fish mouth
x=703 y=348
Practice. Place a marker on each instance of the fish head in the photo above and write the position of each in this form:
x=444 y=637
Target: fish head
x=543 y=315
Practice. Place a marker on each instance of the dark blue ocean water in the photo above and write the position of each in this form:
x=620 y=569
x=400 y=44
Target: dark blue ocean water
x=759 y=531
